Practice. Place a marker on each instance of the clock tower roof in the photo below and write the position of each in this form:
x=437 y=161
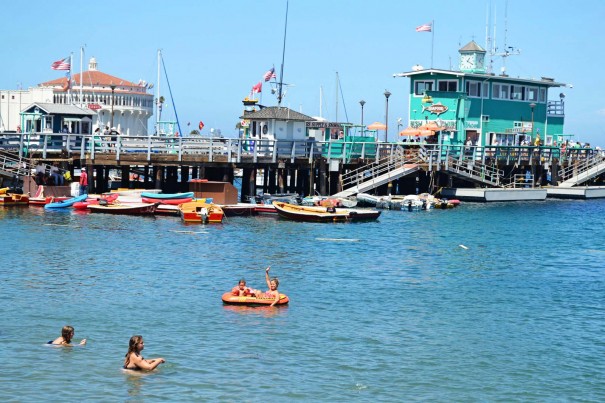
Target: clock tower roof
x=472 y=46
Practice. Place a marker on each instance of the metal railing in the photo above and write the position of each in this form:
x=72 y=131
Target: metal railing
x=476 y=170
x=580 y=165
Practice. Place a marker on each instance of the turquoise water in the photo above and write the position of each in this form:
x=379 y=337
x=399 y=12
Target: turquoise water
x=389 y=311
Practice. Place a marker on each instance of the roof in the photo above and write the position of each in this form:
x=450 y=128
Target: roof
x=545 y=81
x=61 y=109
x=94 y=78
x=472 y=46
x=276 y=112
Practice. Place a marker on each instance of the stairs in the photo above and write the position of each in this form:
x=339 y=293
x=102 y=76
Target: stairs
x=582 y=170
x=474 y=171
x=383 y=171
x=11 y=165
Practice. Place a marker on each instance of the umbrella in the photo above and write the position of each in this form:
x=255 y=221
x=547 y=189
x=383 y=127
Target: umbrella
x=431 y=126
x=409 y=131
x=426 y=133
x=377 y=126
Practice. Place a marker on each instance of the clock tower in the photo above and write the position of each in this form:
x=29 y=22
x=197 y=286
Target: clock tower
x=472 y=58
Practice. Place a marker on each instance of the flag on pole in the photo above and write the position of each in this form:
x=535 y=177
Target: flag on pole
x=201 y=125
x=258 y=87
x=270 y=74
x=63 y=64
x=425 y=28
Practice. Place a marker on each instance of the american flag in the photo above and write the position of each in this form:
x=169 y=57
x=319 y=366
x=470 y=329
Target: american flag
x=63 y=64
x=270 y=74
x=424 y=28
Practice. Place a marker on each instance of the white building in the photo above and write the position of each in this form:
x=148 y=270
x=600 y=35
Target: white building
x=102 y=93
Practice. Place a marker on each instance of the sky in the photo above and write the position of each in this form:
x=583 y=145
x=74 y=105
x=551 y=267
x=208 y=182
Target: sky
x=215 y=51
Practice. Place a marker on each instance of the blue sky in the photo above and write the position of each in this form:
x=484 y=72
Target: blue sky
x=215 y=51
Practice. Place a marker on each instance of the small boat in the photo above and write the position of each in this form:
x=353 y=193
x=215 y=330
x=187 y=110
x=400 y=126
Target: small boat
x=230 y=299
x=174 y=202
x=323 y=214
x=163 y=196
x=239 y=209
x=128 y=209
x=327 y=201
x=42 y=201
x=445 y=203
x=13 y=199
x=83 y=205
x=167 y=209
x=201 y=212
x=65 y=203
x=135 y=192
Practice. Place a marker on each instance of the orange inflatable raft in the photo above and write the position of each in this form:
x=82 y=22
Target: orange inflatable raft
x=230 y=299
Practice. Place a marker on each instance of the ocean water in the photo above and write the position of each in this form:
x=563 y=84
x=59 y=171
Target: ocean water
x=485 y=302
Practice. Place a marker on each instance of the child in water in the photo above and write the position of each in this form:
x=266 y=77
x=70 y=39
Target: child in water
x=67 y=333
x=272 y=283
x=135 y=361
x=241 y=290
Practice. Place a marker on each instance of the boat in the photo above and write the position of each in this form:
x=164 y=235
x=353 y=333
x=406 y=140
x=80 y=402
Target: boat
x=230 y=299
x=65 y=203
x=368 y=200
x=327 y=201
x=323 y=214
x=83 y=205
x=163 y=196
x=13 y=199
x=174 y=202
x=199 y=211
x=445 y=203
x=128 y=208
x=135 y=192
x=167 y=209
x=42 y=201
x=239 y=209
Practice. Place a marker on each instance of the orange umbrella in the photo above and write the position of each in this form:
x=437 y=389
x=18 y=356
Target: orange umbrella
x=426 y=133
x=409 y=131
x=377 y=126
x=431 y=126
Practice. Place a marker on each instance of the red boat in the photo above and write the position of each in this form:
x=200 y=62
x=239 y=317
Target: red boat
x=230 y=299
x=109 y=198
x=13 y=199
x=174 y=202
x=201 y=212
x=126 y=208
x=42 y=201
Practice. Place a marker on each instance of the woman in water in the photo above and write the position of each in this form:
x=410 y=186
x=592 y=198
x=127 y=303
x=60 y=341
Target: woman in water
x=135 y=361
x=67 y=333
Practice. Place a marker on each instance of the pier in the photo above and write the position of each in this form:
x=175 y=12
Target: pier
x=305 y=167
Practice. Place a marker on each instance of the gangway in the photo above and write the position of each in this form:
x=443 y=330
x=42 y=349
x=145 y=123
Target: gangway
x=582 y=170
x=13 y=166
x=474 y=170
x=381 y=172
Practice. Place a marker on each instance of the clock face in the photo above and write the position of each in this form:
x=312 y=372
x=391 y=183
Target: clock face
x=466 y=62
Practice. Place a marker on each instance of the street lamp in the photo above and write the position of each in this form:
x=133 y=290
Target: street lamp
x=532 y=106
x=113 y=88
x=387 y=94
x=362 y=103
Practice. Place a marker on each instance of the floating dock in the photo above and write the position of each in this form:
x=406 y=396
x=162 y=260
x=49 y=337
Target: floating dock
x=576 y=192
x=494 y=195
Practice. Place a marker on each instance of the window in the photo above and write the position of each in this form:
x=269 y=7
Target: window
x=421 y=86
x=517 y=92
x=473 y=89
x=485 y=118
x=531 y=94
x=542 y=95
x=447 y=85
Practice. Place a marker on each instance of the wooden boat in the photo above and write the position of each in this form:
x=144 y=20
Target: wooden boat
x=65 y=203
x=323 y=214
x=230 y=299
x=201 y=212
x=129 y=208
x=167 y=209
x=13 y=199
x=174 y=202
x=238 y=210
x=163 y=196
x=265 y=209
x=83 y=205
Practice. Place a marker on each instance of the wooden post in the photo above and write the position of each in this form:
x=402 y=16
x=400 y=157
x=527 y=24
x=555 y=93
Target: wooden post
x=147 y=180
x=125 y=173
x=252 y=182
x=194 y=173
x=322 y=177
x=266 y=179
x=184 y=185
x=245 y=189
x=106 y=180
x=280 y=180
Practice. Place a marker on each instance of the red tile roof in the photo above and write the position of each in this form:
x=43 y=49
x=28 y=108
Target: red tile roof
x=94 y=78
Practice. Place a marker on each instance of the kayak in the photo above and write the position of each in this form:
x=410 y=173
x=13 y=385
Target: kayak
x=66 y=203
x=174 y=202
x=230 y=299
x=162 y=196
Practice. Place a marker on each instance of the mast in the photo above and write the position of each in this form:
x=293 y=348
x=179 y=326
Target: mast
x=157 y=98
x=81 y=75
x=320 y=100
x=336 y=119
x=281 y=74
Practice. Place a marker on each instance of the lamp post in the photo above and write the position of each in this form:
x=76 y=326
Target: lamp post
x=113 y=88
x=387 y=94
x=532 y=106
x=362 y=103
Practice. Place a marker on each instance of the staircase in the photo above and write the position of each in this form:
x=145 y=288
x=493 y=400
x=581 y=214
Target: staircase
x=475 y=171
x=11 y=165
x=383 y=171
x=582 y=170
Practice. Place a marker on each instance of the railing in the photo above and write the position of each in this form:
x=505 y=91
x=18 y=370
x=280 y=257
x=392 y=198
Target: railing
x=583 y=163
x=521 y=181
x=475 y=169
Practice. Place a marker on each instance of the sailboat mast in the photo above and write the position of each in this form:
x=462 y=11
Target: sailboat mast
x=336 y=120
x=157 y=98
x=283 y=56
x=81 y=75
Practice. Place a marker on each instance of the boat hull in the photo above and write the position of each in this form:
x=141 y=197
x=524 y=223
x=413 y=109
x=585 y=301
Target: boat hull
x=323 y=214
x=13 y=199
x=127 y=209
x=201 y=212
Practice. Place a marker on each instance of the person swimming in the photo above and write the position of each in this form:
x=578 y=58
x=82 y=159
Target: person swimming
x=67 y=333
x=135 y=361
x=272 y=293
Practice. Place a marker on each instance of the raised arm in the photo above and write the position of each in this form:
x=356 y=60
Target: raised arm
x=267 y=279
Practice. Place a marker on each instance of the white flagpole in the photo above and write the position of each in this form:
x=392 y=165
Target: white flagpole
x=71 y=62
x=432 y=40
x=81 y=73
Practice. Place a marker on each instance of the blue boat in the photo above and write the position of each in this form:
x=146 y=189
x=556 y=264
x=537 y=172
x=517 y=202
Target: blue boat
x=165 y=196
x=65 y=203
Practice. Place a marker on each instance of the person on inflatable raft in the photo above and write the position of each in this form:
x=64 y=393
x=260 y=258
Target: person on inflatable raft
x=272 y=283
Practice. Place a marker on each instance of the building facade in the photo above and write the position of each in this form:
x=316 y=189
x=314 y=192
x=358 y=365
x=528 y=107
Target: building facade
x=483 y=108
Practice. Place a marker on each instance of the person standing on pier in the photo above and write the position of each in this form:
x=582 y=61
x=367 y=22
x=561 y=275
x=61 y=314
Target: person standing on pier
x=83 y=181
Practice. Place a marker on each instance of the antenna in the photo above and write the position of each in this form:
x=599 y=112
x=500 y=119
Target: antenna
x=280 y=95
x=508 y=50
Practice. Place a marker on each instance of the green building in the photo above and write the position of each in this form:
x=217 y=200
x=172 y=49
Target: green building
x=487 y=109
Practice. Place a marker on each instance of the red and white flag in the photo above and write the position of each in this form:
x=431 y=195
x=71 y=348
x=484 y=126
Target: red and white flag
x=201 y=125
x=63 y=64
x=270 y=74
x=425 y=28
x=258 y=87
